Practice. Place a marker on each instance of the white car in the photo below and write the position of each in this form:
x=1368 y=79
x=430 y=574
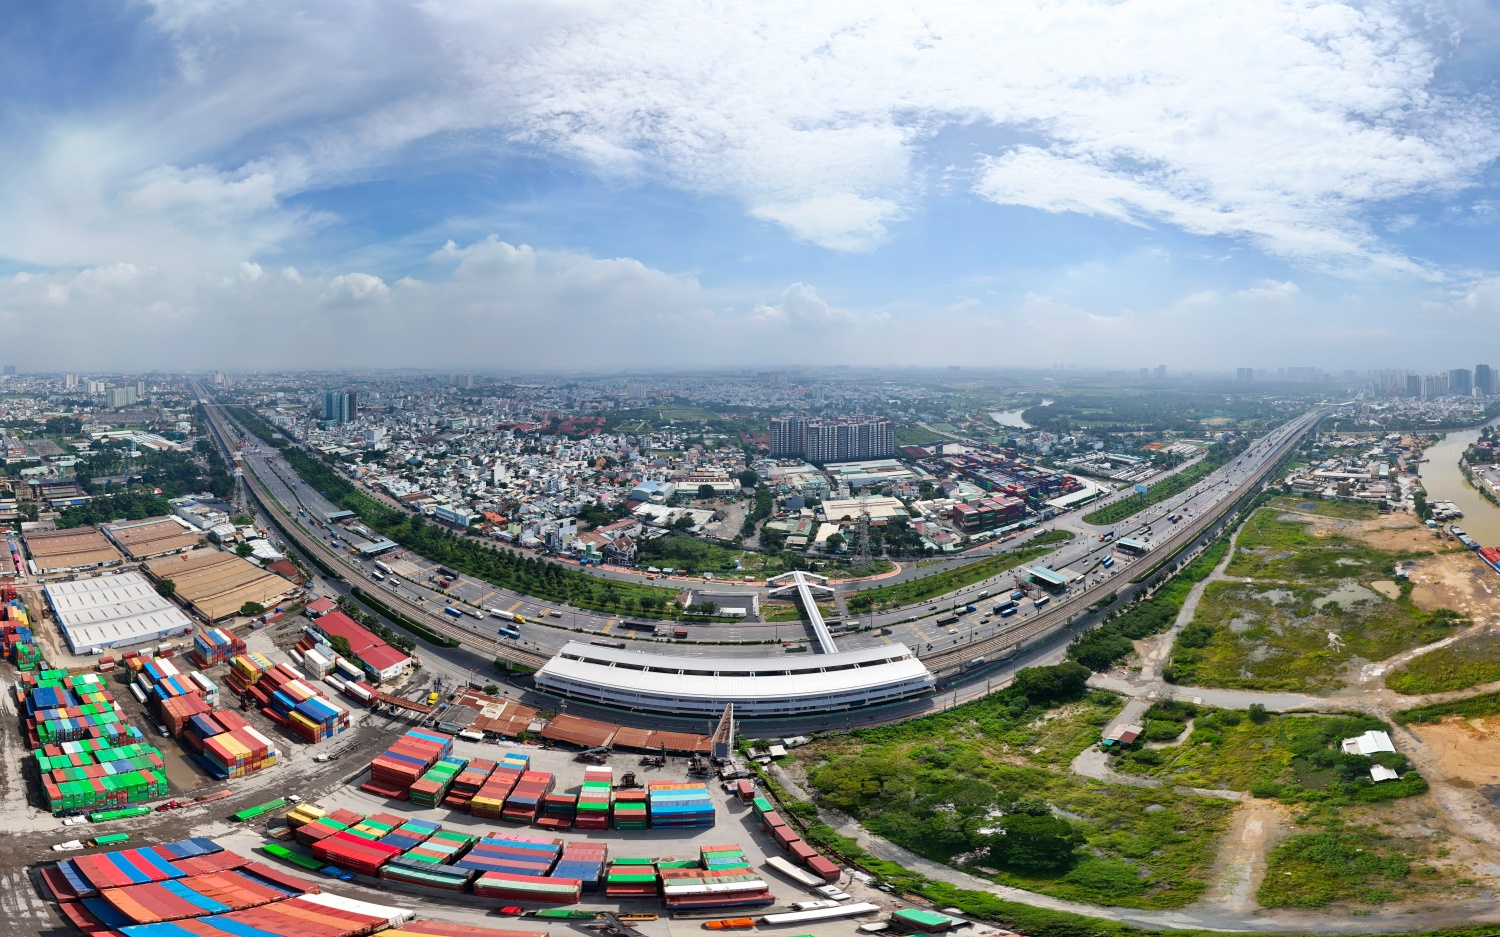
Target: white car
x=75 y=821
x=833 y=892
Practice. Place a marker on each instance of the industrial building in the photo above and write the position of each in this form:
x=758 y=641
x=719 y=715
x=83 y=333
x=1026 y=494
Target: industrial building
x=217 y=584
x=382 y=661
x=824 y=441
x=878 y=507
x=119 y=610
x=765 y=687
x=152 y=536
x=59 y=551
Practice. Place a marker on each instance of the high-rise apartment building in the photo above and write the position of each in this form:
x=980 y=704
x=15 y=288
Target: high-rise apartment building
x=1413 y=385
x=71 y=380
x=1461 y=382
x=825 y=441
x=1244 y=374
x=117 y=397
x=339 y=407
x=1161 y=372
x=1484 y=379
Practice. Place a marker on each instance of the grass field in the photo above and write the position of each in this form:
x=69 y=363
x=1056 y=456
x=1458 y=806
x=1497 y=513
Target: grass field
x=1346 y=864
x=931 y=785
x=1467 y=662
x=1344 y=509
x=1305 y=618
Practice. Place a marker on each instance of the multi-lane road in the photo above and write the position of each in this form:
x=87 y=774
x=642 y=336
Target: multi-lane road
x=1033 y=635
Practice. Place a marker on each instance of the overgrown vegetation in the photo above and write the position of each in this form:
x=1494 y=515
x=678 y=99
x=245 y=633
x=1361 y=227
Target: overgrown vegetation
x=1470 y=707
x=1336 y=864
x=1294 y=758
x=1109 y=643
x=126 y=505
x=986 y=787
x=1307 y=615
x=1467 y=662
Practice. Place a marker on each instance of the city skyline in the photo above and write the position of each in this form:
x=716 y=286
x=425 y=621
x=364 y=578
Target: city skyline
x=217 y=186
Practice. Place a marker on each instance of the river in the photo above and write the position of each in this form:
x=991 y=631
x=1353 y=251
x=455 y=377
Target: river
x=1013 y=417
x=1444 y=482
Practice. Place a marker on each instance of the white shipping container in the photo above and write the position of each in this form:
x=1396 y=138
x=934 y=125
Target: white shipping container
x=334 y=682
x=349 y=669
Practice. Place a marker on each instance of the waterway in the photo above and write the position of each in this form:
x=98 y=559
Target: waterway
x=1444 y=482
x=1013 y=417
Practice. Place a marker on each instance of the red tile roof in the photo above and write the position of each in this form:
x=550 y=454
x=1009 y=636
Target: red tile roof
x=362 y=643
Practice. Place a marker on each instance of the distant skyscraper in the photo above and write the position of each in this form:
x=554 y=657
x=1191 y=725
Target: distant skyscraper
x=1413 y=385
x=10 y=370
x=1145 y=373
x=1484 y=379
x=339 y=407
x=1161 y=372
x=1460 y=382
x=1244 y=374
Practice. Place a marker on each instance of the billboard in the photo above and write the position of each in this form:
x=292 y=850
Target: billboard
x=1140 y=489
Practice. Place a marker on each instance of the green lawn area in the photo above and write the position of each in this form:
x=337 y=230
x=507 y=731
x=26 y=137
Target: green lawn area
x=942 y=786
x=1466 y=662
x=1307 y=618
x=928 y=587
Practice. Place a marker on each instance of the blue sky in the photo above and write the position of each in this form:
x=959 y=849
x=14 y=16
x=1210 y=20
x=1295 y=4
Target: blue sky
x=217 y=183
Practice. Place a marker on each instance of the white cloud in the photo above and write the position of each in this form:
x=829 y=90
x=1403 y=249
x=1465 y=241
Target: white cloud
x=1268 y=291
x=1277 y=121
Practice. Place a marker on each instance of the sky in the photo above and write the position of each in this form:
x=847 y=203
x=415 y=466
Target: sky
x=506 y=185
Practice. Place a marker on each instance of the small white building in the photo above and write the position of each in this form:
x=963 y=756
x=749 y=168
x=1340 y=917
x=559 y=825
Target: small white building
x=1368 y=744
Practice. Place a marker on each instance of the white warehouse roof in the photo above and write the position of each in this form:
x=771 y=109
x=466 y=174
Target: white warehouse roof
x=111 y=611
x=756 y=686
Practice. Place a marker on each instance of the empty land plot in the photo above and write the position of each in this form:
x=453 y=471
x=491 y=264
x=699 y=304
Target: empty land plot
x=1309 y=616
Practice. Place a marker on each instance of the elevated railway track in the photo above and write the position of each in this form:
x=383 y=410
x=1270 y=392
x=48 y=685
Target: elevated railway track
x=1046 y=627
x=1004 y=645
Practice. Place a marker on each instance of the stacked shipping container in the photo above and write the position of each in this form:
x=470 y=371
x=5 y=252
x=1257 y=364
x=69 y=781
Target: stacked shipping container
x=679 y=805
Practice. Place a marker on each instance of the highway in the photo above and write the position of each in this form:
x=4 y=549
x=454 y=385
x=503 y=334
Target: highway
x=1004 y=643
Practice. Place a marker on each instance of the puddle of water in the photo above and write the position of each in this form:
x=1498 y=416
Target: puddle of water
x=1349 y=594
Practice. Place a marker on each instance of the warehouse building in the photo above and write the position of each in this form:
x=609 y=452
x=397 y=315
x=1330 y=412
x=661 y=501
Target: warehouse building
x=58 y=551
x=115 y=611
x=217 y=584
x=151 y=537
x=765 y=687
x=382 y=661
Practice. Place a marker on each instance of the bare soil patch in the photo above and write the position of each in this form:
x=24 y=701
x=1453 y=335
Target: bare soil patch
x=1467 y=750
x=1460 y=581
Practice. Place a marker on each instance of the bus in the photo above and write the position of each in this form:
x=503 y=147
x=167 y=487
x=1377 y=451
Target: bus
x=378 y=576
x=1041 y=600
x=948 y=620
x=1107 y=562
x=510 y=632
x=453 y=611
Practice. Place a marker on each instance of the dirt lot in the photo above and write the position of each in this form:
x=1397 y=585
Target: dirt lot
x=1459 y=581
x=1467 y=749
